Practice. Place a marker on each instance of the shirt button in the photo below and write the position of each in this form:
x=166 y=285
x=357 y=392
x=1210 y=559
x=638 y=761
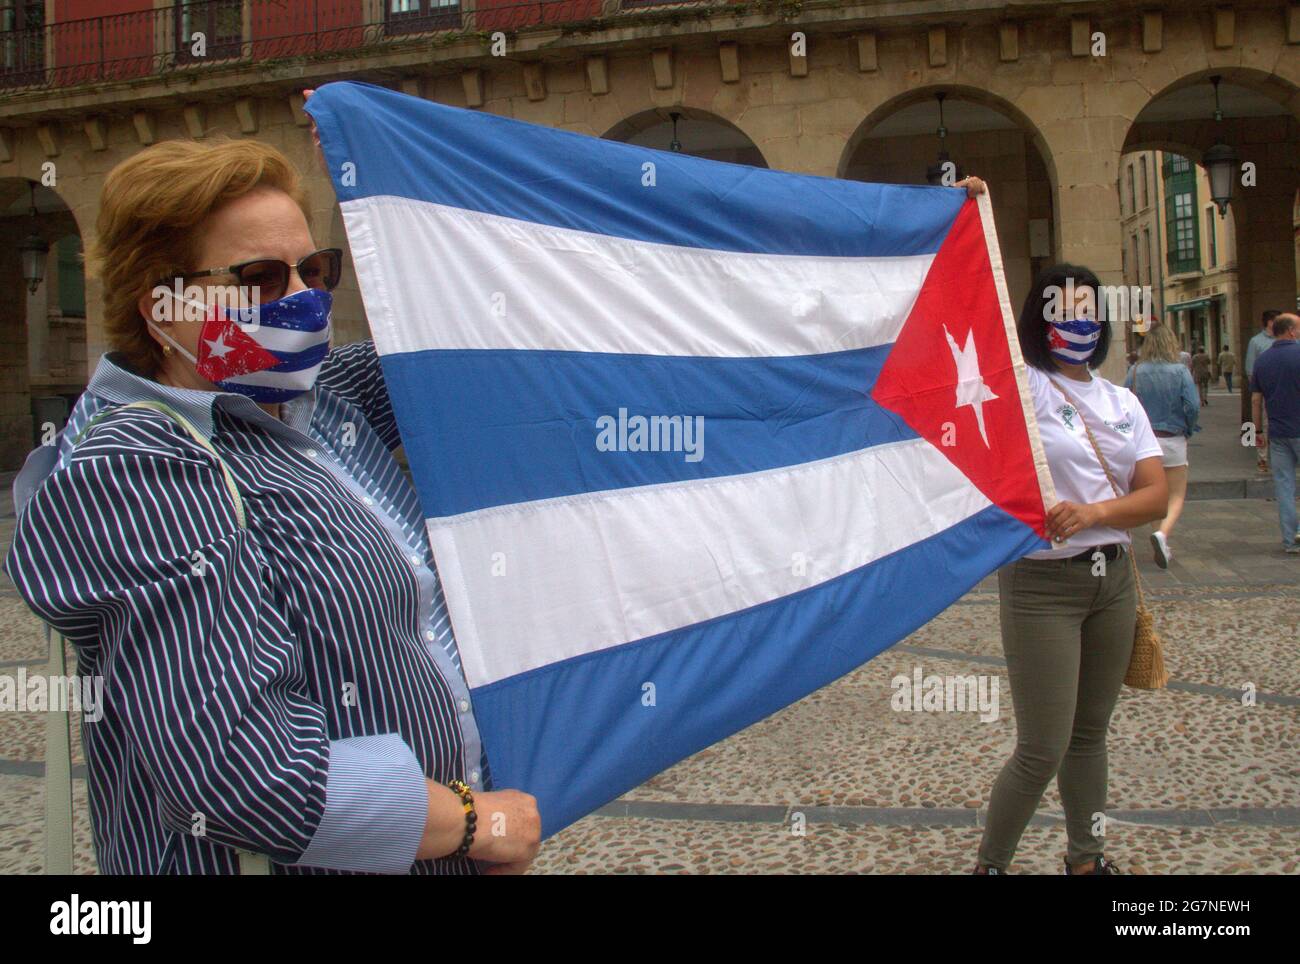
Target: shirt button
x=415 y=560
x=464 y=706
x=428 y=634
x=311 y=453
x=473 y=776
x=369 y=501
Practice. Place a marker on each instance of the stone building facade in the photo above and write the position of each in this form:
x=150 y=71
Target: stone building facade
x=1142 y=249
x=1200 y=292
x=1043 y=100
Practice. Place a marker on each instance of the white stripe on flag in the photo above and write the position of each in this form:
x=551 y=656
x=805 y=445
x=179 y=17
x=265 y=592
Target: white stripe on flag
x=434 y=277
x=559 y=578
x=1075 y=339
x=270 y=379
x=277 y=339
x=1079 y=356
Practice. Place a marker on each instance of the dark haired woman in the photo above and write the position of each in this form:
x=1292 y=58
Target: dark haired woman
x=1068 y=612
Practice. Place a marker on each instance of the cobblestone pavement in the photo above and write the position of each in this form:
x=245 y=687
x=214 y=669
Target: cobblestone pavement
x=1200 y=783
x=1220 y=466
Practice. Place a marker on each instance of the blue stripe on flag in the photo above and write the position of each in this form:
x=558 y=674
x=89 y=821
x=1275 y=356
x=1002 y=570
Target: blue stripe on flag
x=296 y=361
x=523 y=424
x=744 y=663
x=402 y=146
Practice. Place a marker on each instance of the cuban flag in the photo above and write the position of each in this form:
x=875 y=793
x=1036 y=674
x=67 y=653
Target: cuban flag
x=293 y=338
x=693 y=439
x=1073 y=341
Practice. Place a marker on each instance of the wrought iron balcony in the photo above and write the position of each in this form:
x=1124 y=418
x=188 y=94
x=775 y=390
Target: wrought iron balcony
x=187 y=36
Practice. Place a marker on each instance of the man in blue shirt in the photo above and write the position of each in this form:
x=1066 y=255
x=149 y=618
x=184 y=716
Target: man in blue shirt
x=1275 y=386
x=1260 y=343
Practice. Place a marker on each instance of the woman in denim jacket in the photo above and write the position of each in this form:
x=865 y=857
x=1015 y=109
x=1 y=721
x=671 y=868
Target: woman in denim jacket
x=1165 y=387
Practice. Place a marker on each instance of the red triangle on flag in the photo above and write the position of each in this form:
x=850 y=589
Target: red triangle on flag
x=225 y=351
x=919 y=381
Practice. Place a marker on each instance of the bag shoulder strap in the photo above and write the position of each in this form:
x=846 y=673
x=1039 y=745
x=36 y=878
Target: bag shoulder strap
x=58 y=728
x=1105 y=467
x=191 y=430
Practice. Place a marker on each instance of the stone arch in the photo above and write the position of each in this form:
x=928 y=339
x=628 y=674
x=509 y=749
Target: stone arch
x=956 y=92
x=1262 y=123
x=998 y=141
x=700 y=132
x=1148 y=131
x=39 y=382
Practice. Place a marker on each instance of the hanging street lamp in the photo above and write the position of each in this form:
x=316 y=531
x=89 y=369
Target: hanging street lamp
x=675 y=144
x=1220 y=161
x=934 y=174
x=33 y=251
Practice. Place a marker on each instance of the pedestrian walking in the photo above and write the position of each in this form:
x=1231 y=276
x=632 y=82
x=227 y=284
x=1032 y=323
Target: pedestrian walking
x=1261 y=342
x=1201 y=363
x=1227 y=365
x=1165 y=389
x=1275 y=388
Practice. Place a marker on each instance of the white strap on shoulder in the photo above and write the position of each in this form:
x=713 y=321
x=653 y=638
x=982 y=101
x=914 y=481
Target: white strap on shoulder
x=193 y=432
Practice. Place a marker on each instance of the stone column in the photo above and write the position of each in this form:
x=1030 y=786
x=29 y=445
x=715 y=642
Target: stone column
x=1266 y=259
x=1086 y=151
x=96 y=341
x=15 y=392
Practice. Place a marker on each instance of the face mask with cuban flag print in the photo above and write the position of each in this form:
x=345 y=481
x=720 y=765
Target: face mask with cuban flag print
x=1073 y=341
x=273 y=361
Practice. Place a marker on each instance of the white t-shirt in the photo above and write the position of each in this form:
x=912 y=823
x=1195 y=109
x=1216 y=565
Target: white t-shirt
x=1122 y=429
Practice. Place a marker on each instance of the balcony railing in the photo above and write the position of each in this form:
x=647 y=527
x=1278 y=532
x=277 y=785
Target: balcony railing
x=186 y=36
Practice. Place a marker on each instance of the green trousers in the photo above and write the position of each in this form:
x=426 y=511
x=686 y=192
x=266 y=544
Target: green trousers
x=1067 y=631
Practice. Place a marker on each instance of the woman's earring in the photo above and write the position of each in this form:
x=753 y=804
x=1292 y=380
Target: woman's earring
x=167 y=349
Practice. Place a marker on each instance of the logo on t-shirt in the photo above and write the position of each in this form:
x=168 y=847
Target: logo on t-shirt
x=1066 y=414
x=1124 y=427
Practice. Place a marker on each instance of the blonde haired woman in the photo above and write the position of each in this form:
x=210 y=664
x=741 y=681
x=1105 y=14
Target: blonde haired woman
x=1165 y=388
x=227 y=540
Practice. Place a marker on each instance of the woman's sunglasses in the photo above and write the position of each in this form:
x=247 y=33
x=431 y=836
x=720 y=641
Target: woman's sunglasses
x=320 y=269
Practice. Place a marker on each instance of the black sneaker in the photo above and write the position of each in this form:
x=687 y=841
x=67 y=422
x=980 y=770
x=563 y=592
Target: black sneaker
x=1100 y=867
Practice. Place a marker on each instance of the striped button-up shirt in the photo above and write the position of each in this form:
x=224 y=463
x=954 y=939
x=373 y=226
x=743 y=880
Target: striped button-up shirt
x=283 y=688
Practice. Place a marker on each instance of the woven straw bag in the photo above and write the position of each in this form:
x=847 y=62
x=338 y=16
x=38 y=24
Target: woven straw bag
x=1146 y=667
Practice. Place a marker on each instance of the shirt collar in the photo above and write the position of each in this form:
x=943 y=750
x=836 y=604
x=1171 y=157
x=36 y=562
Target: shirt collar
x=118 y=385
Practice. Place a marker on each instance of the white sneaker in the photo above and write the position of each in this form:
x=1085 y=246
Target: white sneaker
x=1160 y=546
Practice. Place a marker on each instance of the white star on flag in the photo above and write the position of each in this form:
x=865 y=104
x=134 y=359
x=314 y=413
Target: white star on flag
x=220 y=349
x=971 y=389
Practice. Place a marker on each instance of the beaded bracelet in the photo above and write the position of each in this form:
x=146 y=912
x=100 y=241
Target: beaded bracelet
x=462 y=790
